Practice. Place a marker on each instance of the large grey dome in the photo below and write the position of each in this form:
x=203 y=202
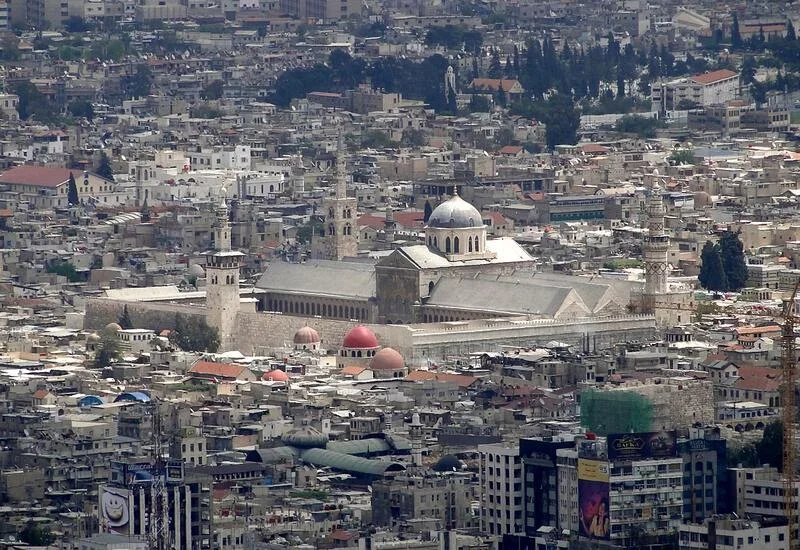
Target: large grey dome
x=455 y=213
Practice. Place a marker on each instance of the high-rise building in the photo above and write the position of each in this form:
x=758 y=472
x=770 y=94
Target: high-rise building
x=705 y=474
x=444 y=499
x=540 y=468
x=170 y=507
x=502 y=490
x=339 y=234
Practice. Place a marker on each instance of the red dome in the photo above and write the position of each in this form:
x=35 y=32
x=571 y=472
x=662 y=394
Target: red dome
x=276 y=375
x=306 y=335
x=387 y=359
x=360 y=337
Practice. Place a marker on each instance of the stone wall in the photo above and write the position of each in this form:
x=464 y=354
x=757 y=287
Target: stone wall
x=257 y=332
x=151 y=315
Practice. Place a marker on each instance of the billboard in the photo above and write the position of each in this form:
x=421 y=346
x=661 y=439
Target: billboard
x=642 y=445
x=115 y=510
x=593 y=499
x=128 y=474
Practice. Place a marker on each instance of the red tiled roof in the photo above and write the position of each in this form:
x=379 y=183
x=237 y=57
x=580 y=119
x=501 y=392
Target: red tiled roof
x=494 y=83
x=758 y=378
x=41 y=176
x=510 y=150
x=593 y=148
x=766 y=329
x=40 y=394
x=496 y=217
x=220 y=370
x=713 y=76
x=352 y=370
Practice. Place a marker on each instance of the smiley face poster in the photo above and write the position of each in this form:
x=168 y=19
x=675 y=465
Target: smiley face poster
x=115 y=508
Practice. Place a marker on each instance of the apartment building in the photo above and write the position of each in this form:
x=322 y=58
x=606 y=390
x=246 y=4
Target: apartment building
x=502 y=490
x=733 y=533
x=711 y=88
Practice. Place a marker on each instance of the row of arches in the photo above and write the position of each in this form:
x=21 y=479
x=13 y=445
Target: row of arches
x=454 y=246
x=334 y=311
x=358 y=353
x=346 y=230
x=229 y=280
x=347 y=213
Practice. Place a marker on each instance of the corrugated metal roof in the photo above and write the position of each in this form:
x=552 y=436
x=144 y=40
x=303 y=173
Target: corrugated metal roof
x=350 y=464
x=360 y=446
x=323 y=277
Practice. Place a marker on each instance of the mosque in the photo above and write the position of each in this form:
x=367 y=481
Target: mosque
x=457 y=292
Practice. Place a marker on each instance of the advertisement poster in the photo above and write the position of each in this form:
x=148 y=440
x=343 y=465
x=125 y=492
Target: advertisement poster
x=641 y=446
x=593 y=503
x=115 y=510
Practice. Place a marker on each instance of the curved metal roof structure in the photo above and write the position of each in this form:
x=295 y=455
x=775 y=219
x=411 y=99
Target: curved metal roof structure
x=351 y=464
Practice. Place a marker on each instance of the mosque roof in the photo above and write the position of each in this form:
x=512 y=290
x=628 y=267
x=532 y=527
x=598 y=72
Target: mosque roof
x=321 y=277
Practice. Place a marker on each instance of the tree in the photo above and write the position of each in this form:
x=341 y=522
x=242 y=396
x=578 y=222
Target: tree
x=736 y=37
x=562 y=121
x=72 y=191
x=500 y=98
x=306 y=231
x=712 y=273
x=213 y=91
x=732 y=253
x=375 y=139
x=478 y=104
x=104 y=169
x=109 y=351
x=748 y=70
x=33 y=103
x=194 y=334
x=641 y=126
x=139 y=84
x=413 y=138
x=125 y=319
x=791 y=34
x=495 y=69
x=36 y=535
x=428 y=211
x=681 y=156
x=81 y=108
x=770 y=448
x=9 y=47
x=65 y=269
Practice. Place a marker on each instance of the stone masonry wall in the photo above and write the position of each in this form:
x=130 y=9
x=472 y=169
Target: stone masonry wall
x=256 y=332
x=154 y=316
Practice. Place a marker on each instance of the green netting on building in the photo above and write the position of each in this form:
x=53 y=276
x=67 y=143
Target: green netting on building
x=609 y=412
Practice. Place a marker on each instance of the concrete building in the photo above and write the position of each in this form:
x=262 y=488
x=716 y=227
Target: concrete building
x=502 y=490
x=711 y=88
x=724 y=533
x=444 y=499
x=705 y=474
x=540 y=470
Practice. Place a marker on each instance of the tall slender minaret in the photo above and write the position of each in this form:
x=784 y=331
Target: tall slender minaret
x=389 y=226
x=339 y=238
x=656 y=245
x=222 y=279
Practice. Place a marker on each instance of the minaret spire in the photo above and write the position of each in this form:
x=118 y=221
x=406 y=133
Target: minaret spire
x=656 y=246
x=341 y=168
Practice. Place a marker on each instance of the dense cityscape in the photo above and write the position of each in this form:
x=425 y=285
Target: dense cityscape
x=399 y=274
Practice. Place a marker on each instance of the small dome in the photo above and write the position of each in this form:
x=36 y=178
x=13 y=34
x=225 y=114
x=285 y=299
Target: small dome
x=306 y=335
x=305 y=437
x=93 y=338
x=197 y=270
x=387 y=359
x=112 y=328
x=448 y=463
x=455 y=213
x=360 y=337
x=276 y=375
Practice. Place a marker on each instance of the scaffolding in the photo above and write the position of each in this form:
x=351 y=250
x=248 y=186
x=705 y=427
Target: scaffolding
x=615 y=411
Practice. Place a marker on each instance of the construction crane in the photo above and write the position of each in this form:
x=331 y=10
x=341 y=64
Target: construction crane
x=158 y=492
x=789 y=409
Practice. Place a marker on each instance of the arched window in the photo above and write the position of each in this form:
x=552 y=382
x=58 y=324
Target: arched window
x=331 y=229
x=447 y=245
x=436 y=243
x=455 y=245
x=347 y=229
x=430 y=241
x=359 y=353
x=477 y=245
x=430 y=287
x=271 y=188
x=469 y=242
